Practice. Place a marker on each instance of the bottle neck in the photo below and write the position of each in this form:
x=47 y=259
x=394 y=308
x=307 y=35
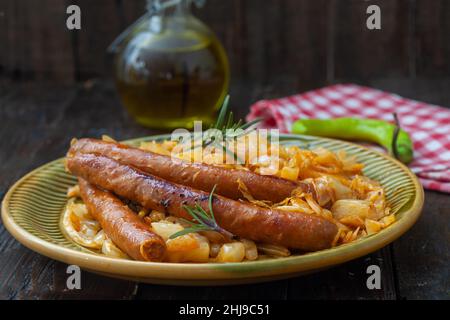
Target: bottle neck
x=165 y=8
x=168 y=14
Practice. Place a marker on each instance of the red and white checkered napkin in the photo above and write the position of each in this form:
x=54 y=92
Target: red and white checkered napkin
x=428 y=125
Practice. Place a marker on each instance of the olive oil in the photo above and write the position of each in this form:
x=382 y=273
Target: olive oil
x=169 y=78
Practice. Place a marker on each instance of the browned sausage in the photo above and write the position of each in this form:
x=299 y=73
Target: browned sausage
x=291 y=229
x=196 y=175
x=122 y=225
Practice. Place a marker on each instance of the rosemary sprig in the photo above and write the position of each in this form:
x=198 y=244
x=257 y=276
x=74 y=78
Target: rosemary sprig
x=229 y=128
x=203 y=221
x=225 y=121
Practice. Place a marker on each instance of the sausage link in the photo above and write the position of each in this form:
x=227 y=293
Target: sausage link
x=291 y=229
x=196 y=175
x=122 y=225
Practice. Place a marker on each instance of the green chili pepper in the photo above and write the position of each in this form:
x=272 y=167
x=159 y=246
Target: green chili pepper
x=396 y=141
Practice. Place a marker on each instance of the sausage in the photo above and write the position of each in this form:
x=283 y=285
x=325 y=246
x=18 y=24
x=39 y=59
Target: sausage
x=196 y=175
x=122 y=225
x=291 y=229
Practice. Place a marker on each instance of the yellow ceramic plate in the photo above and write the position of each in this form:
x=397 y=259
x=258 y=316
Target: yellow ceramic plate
x=32 y=208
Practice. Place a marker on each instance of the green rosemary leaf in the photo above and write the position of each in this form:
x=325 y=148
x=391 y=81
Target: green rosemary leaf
x=223 y=113
x=229 y=121
x=202 y=213
x=210 y=201
x=236 y=133
x=225 y=123
x=188 y=230
x=231 y=153
x=188 y=222
x=194 y=215
x=206 y=221
x=251 y=123
x=237 y=125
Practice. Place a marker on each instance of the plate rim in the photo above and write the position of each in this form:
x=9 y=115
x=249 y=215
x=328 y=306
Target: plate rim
x=218 y=271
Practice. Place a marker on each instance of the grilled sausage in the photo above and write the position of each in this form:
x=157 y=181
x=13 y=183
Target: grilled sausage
x=291 y=229
x=122 y=225
x=196 y=175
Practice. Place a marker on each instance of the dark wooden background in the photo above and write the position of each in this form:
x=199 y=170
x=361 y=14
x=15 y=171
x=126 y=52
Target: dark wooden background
x=310 y=41
x=55 y=84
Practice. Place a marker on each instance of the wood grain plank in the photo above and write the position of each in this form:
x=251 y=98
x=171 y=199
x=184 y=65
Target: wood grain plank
x=4 y=41
x=38 y=42
x=423 y=254
x=287 y=38
x=28 y=275
x=129 y=11
x=432 y=37
x=276 y=290
x=305 y=34
x=93 y=286
x=23 y=108
x=102 y=21
x=28 y=114
x=12 y=27
x=270 y=41
x=348 y=281
x=429 y=90
x=39 y=123
x=225 y=19
x=361 y=53
x=262 y=41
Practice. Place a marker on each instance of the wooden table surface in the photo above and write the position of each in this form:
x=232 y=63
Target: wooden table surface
x=38 y=121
